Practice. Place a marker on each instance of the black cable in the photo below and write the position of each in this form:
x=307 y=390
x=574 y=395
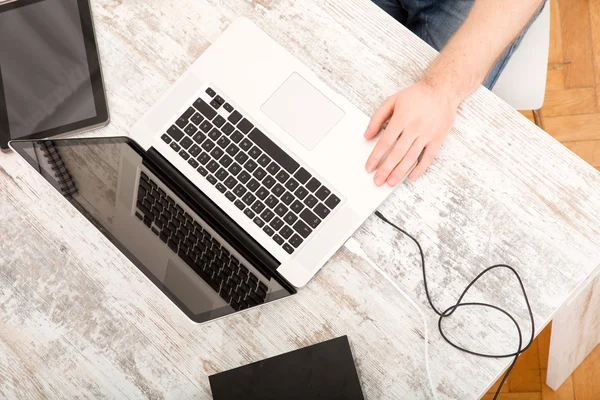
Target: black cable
x=450 y=310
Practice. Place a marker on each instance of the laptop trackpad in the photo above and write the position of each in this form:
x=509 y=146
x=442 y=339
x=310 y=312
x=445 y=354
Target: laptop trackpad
x=302 y=111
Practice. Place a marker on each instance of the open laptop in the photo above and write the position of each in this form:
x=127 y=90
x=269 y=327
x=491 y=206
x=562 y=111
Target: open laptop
x=236 y=187
x=274 y=147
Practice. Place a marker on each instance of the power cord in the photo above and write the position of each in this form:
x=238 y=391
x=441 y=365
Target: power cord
x=450 y=310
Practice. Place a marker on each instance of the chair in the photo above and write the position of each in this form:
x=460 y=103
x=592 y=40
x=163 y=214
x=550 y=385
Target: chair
x=522 y=83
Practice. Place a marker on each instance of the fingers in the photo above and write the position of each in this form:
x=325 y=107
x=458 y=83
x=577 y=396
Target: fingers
x=408 y=161
x=378 y=119
x=425 y=161
x=395 y=156
x=385 y=142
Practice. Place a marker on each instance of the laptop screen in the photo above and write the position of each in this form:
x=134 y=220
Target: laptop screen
x=113 y=185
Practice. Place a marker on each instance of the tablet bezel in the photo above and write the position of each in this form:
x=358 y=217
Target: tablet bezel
x=95 y=73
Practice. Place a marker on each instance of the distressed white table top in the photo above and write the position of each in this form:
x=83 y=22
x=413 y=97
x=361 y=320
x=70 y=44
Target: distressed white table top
x=77 y=319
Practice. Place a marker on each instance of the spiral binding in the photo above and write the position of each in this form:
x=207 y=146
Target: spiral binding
x=61 y=173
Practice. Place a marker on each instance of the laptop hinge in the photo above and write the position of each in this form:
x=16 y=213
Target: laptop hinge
x=215 y=217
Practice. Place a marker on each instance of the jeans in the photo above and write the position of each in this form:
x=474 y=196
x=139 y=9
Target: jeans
x=435 y=21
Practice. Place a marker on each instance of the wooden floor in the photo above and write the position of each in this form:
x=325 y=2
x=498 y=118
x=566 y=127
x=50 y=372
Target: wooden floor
x=571 y=114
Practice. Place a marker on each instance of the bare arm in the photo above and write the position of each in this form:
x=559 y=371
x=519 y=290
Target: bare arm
x=422 y=115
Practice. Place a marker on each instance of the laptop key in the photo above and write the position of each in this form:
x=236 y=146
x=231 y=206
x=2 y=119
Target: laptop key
x=235 y=169
x=232 y=150
x=219 y=121
x=276 y=153
x=197 y=119
x=239 y=190
x=193 y=163
x=289 y=249
x=302 y=175
x=259 y=222
x=230 y=182
x=310 y=201
x=195 y=150
x=219 y=100
x=287 y=198
x=227 y=129
x=217 y=153
x=292 y=184
x=204 y=109
x=267 y=229
x=239 y=204
x=254 y=152
x=297 y=206
x=214 y=134
x=262 y=193
x=241 y=157
x=278 y=239
x=210 y=92
x=212 y=166
x=280 y=209
x=322 y=211
x=258 y=207
x=226 y=161
x=237 y=136
x=300 y=193
x=220 y=187
x=166 y=138
x=208 y=145
x=286 y=232
x=264 y=160
x=278 y=190
x=230 y=196
x=223 y=142
x=259 y=173
x=190 y=129
x=313 y=184
x=302 y=229
x=215 y=104
x=204 y=158
x=271 y=201
x=268 y=215
x=273 y=168
x=296 y=240
x=323 y=193
x=332 y=201
x=276 y=224
x=290 y=218
x=249 y=213
x=175 y=146
x=246 y=144
x=181 y=122
x=186 y=143
x=282 y=176
x=249 y=198
x=175 y=133
x=253 y=185
x=250 y=165
x=211 y=179
x=206 y=126
x=234 y=117
x=243 y=177
x=269 y=181
x=310 y=218
x=199 y=137
x=221 y=174
x=245 y=126
x=228 y=107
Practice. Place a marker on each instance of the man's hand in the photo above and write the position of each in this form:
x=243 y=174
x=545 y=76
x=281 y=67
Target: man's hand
x=420 y=118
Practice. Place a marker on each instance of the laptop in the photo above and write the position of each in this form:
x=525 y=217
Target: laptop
x=235 y=188
x=274 y=147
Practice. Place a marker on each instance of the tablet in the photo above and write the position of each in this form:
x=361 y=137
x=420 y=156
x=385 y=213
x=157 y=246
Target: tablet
x=50 y=78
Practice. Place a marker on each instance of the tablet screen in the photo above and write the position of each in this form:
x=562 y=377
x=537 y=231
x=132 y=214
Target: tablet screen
x=46 y=77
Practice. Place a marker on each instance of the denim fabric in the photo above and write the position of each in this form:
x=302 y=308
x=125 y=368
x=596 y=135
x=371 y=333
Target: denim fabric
x=435 y=21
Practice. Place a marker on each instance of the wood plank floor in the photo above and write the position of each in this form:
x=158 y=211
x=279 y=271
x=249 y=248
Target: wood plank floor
x=571 y=114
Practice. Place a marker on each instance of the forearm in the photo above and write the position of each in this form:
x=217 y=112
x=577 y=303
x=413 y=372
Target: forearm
x=467 y=58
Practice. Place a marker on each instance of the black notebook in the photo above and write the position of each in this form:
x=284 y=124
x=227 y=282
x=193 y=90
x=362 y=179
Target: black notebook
x=324 y=371
x=50 y=160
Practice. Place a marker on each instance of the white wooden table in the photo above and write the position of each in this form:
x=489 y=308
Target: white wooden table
x=77 y=319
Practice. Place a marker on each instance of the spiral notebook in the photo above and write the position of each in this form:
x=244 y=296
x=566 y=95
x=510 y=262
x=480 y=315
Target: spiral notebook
x=49 y=159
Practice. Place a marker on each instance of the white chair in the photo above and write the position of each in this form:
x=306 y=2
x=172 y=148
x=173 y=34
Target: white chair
x=522 y=83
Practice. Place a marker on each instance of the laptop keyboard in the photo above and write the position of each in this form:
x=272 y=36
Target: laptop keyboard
x=269 y=186
x=237 y=285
